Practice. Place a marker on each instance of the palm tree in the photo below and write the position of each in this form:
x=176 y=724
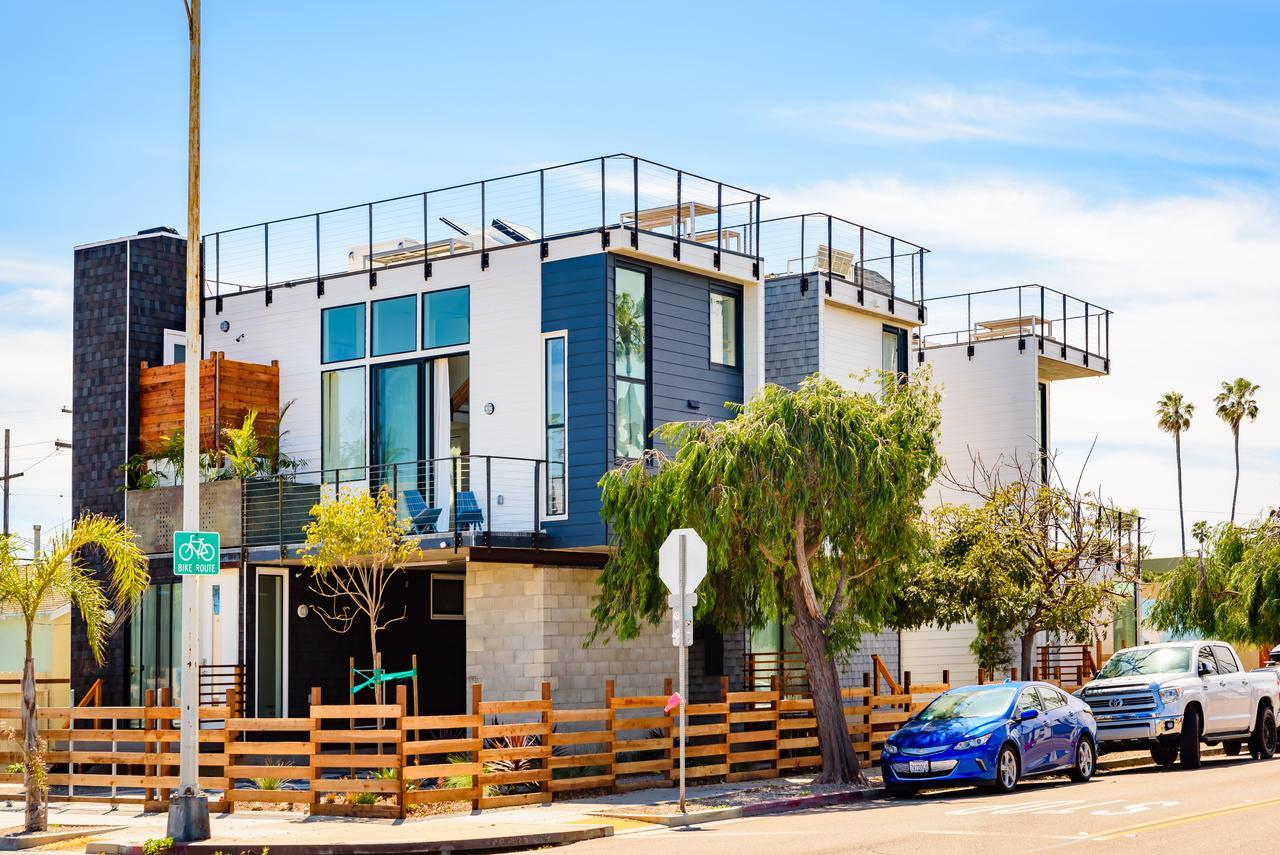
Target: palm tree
x=60 y=573
x=1173 y=415
x=1234 y=403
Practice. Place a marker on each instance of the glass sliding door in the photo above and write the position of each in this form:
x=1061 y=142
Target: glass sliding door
x=155 y=641
x=269 y=647
x=400 y=426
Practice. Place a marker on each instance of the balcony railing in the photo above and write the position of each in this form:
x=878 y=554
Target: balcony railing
x=1058 y=322
x=447 y=502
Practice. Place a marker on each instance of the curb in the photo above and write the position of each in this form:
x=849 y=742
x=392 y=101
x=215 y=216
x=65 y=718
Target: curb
x=22 y=840
x=1135 y=762
x=496 y=843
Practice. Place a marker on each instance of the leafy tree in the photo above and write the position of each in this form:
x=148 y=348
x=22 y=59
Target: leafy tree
x=1235 y=403
x=355 y=545
x=809 y=502
x=1028 y=557
x=1173 y=416
x=61 y=573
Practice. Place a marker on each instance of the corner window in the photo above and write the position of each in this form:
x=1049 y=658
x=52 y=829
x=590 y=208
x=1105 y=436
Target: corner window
x=557 y=481
x=446 y=317
x=342 y=333
x=893 y=350
x=724 y=329
x=448 y=597
x=630 y=361
x=342 y=441
x=395 y=325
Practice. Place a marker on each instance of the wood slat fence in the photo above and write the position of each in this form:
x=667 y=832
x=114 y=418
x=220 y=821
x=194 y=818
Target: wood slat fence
x=375 y=760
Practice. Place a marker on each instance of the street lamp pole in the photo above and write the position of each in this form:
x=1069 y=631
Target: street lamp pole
x=188 y=807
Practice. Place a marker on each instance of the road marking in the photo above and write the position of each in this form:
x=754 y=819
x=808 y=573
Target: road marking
x=1064 y=807
x=1135 y=830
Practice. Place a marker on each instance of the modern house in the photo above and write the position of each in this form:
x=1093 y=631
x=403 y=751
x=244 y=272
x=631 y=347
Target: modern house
x=486 y=352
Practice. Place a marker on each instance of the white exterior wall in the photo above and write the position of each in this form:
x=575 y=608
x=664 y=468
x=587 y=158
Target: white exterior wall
x=851 y=344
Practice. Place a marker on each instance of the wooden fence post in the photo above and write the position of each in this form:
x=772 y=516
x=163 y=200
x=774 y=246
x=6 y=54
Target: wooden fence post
x=477 y=695
x=545 y=718
x=150 y=743
x=1013 y=673
x=228 y=741
x=775 y=686
x=609 y=726
x=164 y=698
x=313 y=772
x=946 y=677
x=402 y=701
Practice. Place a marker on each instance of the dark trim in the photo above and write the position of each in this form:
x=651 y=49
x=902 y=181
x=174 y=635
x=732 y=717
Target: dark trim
x=903 y=365
x=364 y=355
x=416 y=320
x=647 y=272
x=714 y=287
x=545 y=557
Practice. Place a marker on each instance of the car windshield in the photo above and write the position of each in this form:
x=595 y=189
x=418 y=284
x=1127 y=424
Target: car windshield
x=969 y=703
x=1145 y=661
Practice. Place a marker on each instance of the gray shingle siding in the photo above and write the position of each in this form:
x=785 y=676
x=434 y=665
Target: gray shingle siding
x=790 y=330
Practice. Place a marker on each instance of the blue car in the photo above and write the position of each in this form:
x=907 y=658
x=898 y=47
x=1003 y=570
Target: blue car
x=992 y=735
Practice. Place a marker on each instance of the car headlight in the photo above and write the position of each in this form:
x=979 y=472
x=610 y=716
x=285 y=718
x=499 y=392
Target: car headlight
x=975 y=742
x=1170 y=695
x=890 y=748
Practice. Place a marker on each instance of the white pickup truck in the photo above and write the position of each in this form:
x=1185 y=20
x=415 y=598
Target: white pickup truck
x=1172 y=697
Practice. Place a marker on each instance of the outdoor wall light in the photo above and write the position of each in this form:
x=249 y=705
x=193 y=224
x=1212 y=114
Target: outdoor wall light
x=489 y=408
x=224 y=326
x=304 y=610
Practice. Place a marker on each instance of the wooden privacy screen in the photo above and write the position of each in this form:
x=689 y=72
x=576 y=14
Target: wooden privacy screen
x=228 y=390
x=376 y=760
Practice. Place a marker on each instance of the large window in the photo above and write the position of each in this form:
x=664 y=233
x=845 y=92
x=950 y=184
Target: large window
x=557 y=483
x=399 y=423
x=724 y=329
x=395 y=325
x=1042 y=429
x=446 y=317
x=630 y=361
x=342 y=333
x=342 y=441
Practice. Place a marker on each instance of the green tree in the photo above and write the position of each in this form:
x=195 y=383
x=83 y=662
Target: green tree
x=242 y=451
x=355 y=545
x=1235 y=403
x=1173 y=416
x=61 y=573
x=809 y=502
x=1026 y=557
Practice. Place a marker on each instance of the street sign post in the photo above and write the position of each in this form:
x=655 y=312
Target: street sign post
x=682 y=565
x=195 y=553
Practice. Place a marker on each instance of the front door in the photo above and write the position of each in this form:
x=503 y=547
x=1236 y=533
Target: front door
x=271 y=644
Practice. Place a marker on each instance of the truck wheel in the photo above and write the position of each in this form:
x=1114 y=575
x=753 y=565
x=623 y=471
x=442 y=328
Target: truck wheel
x=1189 y=744
x=1231 y=747
x=1262 y=742
x=1165 y=753
x=1086 y=761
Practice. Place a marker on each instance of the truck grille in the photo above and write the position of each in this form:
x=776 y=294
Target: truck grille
x=1113 y=701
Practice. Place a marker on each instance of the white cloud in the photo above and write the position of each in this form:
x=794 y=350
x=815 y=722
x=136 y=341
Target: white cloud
x=1195 y=284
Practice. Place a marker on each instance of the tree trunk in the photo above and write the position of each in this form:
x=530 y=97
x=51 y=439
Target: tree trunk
x=1182 y=517
x=839 y=763
x=1027 y=655
x=373 y=649
x=1235 y=490
x=37 y=817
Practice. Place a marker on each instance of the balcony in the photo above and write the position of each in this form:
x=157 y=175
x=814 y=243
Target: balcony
x=1071 y=336
x=228 y=391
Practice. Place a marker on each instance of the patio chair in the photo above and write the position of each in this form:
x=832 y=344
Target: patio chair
x=422 y=517
x=467 y=513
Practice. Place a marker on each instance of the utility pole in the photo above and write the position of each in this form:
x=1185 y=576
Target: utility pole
x=6 y=478
x=35 y=541
x=188 y=807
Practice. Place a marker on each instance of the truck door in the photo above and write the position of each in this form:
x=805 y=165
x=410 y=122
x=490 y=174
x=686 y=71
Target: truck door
x=1234 y=686
x=1217 y=711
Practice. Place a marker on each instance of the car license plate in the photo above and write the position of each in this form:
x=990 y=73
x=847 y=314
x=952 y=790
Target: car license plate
x=918 y=767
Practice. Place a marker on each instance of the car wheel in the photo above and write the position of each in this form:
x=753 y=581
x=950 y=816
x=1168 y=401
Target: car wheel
x=1189 y=743
x=1006 y=770
x=1262 y=742
x=1165 y=753
x=899 y=791
x=1231 y=747
x=1086 y=760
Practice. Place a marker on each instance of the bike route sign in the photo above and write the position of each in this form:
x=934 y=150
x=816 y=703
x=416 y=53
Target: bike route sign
x=196 y=553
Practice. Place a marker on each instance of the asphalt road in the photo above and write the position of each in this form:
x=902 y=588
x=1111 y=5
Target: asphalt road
x=1228 y=805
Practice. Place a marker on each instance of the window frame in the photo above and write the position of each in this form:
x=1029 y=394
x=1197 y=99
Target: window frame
x=647 y=381
x=361 y=327
x=903 y=371
x=422 y=319
x=562 y=335
x=417 y=320
x=431 y=596
x=364 y=402
x=713 y=290
x=425 y=436
x=1224 y=658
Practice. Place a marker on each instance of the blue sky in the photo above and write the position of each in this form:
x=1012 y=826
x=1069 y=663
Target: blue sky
x=1125 y=153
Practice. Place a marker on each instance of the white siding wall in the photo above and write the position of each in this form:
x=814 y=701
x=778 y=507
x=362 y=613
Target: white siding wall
x=850 y=344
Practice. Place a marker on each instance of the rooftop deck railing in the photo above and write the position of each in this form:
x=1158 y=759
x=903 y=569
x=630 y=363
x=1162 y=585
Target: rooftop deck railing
x=620 y=197
x=1055 y=319
x=446 y=502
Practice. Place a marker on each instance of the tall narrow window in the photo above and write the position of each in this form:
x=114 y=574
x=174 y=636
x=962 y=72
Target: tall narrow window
x=342 y=432
x=557 y=481
x=446 y=317
x=395 y=325
x=342 y=333
x=1042 y=429
x=630 y=360
x=399 y=424
x=893 y=350
x=724 y=329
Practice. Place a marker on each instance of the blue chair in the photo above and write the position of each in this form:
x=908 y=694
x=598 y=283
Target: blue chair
x=467 y=514
x=422 y=517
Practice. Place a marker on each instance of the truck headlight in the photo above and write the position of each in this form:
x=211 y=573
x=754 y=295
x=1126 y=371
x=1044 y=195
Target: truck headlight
x=975 y=742
x=1170 y=695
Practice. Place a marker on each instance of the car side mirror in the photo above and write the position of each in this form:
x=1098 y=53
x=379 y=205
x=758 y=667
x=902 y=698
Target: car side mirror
x=1027 y=715
x=1202 y=668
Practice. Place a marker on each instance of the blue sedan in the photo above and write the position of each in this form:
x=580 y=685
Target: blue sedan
x=992 y=735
